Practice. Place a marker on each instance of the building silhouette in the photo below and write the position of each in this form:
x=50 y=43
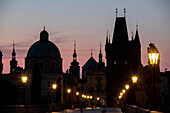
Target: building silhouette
x=45 y=54
x=13 y=62
x=123 y=57
x=1 y=64
x=75 y=68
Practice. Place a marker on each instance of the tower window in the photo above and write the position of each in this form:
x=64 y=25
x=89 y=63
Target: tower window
x=114 y=62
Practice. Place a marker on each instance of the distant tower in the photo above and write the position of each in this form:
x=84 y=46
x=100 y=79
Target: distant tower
x=123 y=58
x=89 y=67
x=101 y=64
x=75 y=68
x=13 y=62
x=1 y=64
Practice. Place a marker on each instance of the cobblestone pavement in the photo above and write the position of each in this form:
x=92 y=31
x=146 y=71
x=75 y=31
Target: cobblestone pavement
x=89 y=110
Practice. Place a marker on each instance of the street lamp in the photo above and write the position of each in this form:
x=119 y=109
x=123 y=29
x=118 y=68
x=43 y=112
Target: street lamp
x=82 y=95
x=127 y=87
x=134 y=79
x=68 y=91
x=54 y=86
x=77 y=93
x=85 y=96
x=24 y=81
x=120 y=97
x=153 y=58
x=91 y=97
x=98 y=98
x=123 y=91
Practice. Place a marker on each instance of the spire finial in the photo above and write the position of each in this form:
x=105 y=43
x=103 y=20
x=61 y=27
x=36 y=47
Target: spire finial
x=116 y=12
x=74 y=46
x=91 y=52
x=132 y=35
x=44 y=27
x=13 y=45
x=100 y=46
x=124 y=12
x=109 y=38
x=136 y=26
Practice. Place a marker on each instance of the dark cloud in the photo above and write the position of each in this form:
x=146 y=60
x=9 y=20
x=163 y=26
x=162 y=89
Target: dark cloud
x=61 y=39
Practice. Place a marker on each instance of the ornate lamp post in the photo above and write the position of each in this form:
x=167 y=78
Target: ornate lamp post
x=127 y=87
x=134 y=80
x=24 y=81
x=77 y=94
x=54 y=86
x=68 y=92
x=153 y=59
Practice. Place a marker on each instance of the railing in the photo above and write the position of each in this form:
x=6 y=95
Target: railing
x=136 y=109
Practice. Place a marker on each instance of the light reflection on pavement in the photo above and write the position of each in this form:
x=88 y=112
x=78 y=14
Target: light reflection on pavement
x=89 y=110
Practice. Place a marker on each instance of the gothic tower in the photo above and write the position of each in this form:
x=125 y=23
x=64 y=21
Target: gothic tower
x=1 y=64
x=101 y=64
x=75 y=68
x=13 y=62
x=123 y=57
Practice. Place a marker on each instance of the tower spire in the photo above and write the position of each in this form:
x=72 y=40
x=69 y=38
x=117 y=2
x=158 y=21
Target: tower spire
x=13 y=53
x=132 y=35
x=100 y=54
x=137 y=41
x=91 y=52
x=74 y=54
x=74 y=46
x=13 y=62
x=116 y=12
x=100 y=46
x=124 y=12
x=107 y=37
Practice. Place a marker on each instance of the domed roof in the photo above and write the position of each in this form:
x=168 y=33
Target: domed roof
x=43 y=48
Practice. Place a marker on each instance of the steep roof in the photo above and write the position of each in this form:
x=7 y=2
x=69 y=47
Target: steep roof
x=120 y=36
x=90 y=63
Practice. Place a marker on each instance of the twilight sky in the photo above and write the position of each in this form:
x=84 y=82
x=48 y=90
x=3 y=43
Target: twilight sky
x=85 y=21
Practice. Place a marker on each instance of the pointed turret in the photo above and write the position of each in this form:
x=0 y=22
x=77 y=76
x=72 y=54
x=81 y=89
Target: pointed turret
x=100 y=54
x=120 y=35
x=13 y=62
x=75 y=54
x=13 y=53
x=137 y=41
x=107 y=37
x=75 y=68
x=74 y=63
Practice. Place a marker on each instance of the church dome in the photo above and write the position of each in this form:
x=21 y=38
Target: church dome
x=43 y=48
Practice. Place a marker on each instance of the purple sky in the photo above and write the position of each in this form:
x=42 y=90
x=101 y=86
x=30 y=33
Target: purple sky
x=84 y=21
